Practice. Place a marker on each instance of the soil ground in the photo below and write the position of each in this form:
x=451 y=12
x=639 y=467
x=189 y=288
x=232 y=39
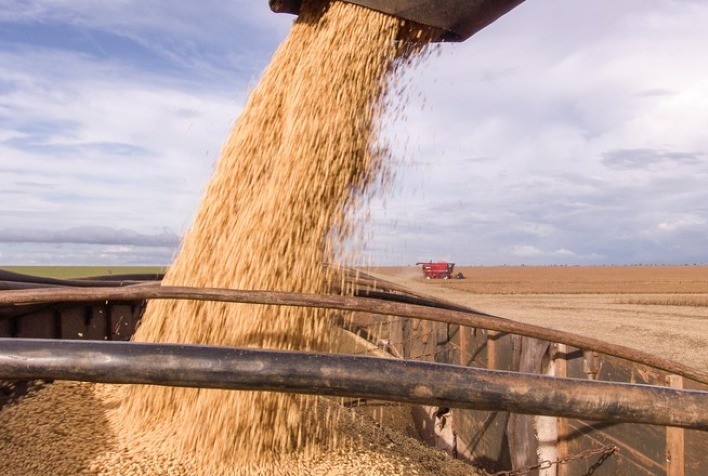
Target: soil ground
x=658 y=309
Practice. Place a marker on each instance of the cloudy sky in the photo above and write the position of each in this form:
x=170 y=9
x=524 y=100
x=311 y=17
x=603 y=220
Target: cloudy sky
x=568 y=132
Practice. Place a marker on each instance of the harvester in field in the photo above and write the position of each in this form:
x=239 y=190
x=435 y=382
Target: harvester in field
x=439 y=270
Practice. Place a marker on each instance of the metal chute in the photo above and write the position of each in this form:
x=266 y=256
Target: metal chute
x=457 y=19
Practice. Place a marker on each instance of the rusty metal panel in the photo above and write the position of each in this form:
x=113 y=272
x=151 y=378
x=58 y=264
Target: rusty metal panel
x=6 y=324
x=444 y=352
x=505 y=347
x=416 y=335
x=474 y=351
x=123 y=319
x=695 y=442
x=74 y=323
x=40 y=325
x=93 y=321
x=696 y=453
x=97 y=322
x=481 y=436
x=482 y=439
x=630 y=458
x=395 y=336
x=429 y=341
x=642 y=448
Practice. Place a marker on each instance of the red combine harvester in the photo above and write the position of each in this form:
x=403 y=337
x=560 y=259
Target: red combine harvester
x=439 y=270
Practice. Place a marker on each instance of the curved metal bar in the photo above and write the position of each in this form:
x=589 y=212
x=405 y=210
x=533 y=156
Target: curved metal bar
x=360 y=377
x=469 y=318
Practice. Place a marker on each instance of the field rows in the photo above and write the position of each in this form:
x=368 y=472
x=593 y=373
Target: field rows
x=568 y=279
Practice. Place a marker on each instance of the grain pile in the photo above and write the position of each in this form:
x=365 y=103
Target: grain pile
x=70 y=429
x=304 y=149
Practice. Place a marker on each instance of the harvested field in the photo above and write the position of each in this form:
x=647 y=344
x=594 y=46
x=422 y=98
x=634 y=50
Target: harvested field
x=657 y=309
x=72 y=272
x=567 y=279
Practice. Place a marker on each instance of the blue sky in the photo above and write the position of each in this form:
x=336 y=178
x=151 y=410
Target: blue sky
x=568 y=132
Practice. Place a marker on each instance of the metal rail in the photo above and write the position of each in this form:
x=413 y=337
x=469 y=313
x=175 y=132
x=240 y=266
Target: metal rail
x=352 y=376
x=469 y=318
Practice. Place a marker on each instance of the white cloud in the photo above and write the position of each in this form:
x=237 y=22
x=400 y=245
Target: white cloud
x=681 y=223
x=590 y=117
x=567 y=125
x=103 y=147
x=541 y=230
x=526 y=251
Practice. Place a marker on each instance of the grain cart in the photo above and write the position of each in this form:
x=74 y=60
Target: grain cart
x=464 y=397
x=57 y=330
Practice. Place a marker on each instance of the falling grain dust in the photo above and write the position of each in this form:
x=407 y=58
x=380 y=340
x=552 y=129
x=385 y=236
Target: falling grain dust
x=303 y=151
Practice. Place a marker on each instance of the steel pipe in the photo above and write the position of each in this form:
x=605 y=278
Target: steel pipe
x=352 y=376
x=470 y=317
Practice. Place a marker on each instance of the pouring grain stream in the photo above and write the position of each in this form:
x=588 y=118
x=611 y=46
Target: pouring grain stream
x=303 y=149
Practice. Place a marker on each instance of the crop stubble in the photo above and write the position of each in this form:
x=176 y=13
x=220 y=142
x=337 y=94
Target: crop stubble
x=657 y=309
